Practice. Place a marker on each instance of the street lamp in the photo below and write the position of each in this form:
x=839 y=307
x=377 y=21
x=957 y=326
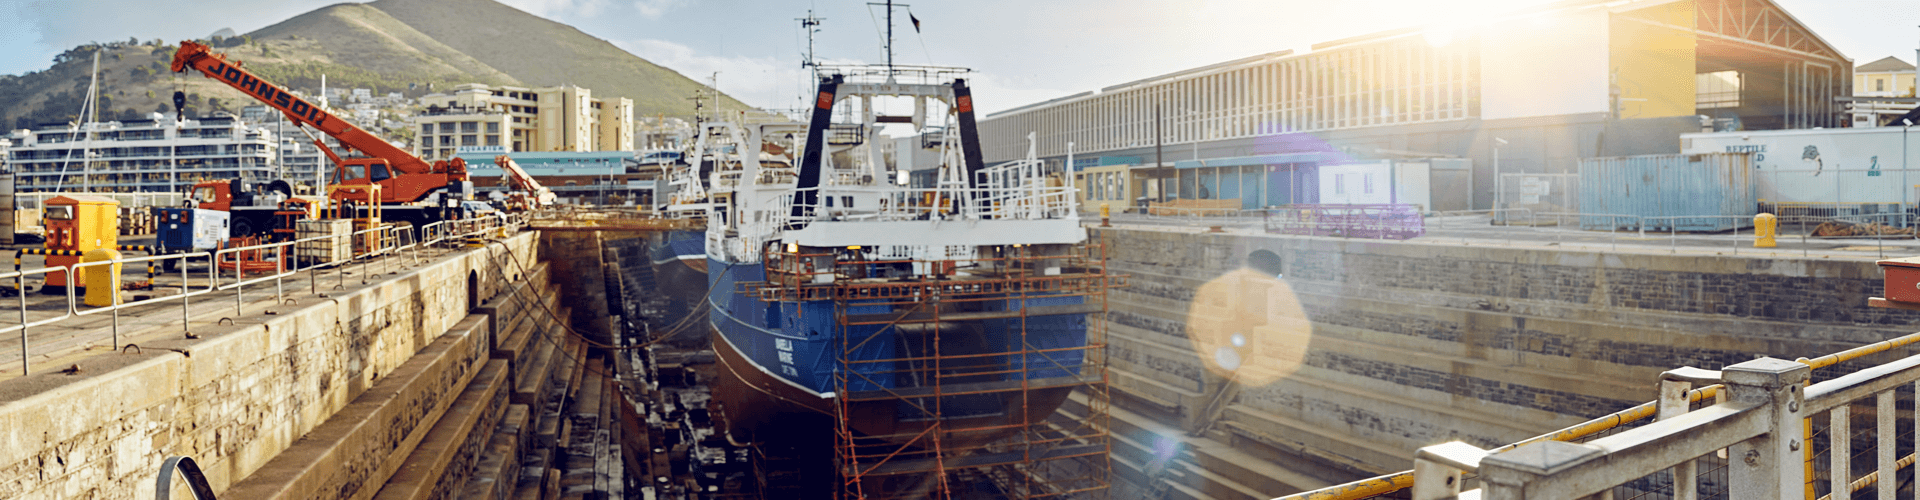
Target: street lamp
x=1499 y=184
x=86 y=171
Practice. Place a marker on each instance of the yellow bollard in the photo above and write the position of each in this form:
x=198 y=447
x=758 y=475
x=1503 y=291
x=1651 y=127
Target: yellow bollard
x=1105 y=211
x=1765 y=227
x=105 y=279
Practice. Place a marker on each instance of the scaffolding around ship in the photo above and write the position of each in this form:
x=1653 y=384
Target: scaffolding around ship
x=968 y=395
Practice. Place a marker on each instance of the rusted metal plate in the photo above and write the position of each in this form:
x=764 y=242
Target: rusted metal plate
x=1902 y=279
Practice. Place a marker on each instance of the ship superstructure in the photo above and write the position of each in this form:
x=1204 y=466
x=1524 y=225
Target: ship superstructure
x=936 y=327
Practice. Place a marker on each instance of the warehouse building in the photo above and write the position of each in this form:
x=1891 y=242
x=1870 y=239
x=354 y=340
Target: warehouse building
x=1532 y=91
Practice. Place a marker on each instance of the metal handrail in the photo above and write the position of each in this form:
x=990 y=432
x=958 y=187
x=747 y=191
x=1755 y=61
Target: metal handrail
x=390 y=243
x=1400 y=480
x=196 y=481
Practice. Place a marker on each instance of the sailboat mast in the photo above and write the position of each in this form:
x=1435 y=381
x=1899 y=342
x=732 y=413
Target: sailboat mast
x=92 y=112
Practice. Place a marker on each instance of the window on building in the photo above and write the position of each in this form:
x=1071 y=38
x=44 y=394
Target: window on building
x=1366 y=183
x=1339 y=184
x=469 y=127
x=493 y=127
x=1879 y=85
x=469 y=140
x=446 y=127
x=493 y=139
x=446 y=140
x=426 y=129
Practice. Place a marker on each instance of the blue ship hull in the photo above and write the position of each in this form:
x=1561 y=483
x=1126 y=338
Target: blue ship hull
x=783 y=357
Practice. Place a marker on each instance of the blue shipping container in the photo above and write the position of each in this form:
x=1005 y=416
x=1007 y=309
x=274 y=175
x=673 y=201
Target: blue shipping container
x=1704 y=192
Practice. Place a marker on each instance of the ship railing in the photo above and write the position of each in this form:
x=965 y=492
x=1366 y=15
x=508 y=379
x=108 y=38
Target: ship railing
x=1024 y=203
x=815 y=275
x=727 y=178
x=900 y=74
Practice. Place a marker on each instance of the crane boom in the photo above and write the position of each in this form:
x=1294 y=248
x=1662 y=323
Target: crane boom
x=410 y=179
x=537 y=195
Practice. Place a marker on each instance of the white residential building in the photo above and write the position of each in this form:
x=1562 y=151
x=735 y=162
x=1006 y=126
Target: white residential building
x=151 y=155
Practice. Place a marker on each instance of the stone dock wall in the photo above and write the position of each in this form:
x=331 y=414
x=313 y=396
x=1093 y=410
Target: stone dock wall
x=1412 y=343
x=326 y=399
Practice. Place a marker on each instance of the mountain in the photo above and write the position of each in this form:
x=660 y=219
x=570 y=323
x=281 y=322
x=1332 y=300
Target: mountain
x=407 y=46
x=542 y=53
x=363 y=37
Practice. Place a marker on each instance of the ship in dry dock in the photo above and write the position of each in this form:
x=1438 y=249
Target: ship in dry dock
x=930 y=330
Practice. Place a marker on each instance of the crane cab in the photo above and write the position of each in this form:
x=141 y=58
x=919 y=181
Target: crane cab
x=361 y=172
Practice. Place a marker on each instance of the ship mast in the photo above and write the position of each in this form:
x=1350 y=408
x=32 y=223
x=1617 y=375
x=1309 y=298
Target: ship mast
x=810 y=24
x=889 y=45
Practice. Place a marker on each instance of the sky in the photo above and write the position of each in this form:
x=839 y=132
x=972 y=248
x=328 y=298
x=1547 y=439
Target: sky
x=1022 y=51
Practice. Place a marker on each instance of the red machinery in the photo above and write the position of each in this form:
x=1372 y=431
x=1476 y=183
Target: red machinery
x=526 y=193
x=412 y=189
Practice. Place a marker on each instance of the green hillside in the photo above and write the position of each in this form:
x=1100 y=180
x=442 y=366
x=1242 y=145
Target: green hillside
x=540 y=52
x=356 y=45
x=407 y=46
x=134 y=81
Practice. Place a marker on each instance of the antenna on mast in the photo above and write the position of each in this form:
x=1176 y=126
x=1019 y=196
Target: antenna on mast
x=810 y=24
x=889 y=45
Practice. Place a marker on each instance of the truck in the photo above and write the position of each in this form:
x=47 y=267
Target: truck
x=187 y=230
x=264 y=211
x=411 y=190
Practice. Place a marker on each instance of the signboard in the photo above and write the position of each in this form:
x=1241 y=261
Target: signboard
x=481 y=149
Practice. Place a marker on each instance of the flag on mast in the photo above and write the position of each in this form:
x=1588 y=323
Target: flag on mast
x=916 y=22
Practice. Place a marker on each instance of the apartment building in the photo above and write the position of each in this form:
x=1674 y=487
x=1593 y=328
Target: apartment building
x=153 y=155
x=547 y=119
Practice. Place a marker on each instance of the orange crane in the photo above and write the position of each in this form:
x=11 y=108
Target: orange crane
x=528 y=193
x=411 y=189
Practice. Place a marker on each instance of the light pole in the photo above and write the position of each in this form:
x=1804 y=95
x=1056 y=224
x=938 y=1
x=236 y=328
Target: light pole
x=1158 y=163
x=1499 y=191
x=1904 y=187
x=86 y=170
x=173 y=157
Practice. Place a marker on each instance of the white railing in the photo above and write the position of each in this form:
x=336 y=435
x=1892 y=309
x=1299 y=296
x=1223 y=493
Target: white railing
x=1031 y=203
x=896 y=74
x=1533 y=226
x=273 y=262
x=1768 y=428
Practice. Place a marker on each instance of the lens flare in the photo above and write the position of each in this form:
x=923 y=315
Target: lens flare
x=1248 y=325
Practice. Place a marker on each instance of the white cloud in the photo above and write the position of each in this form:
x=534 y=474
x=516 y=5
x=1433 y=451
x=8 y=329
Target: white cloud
x=558 y=9
x=775 y=83
x=652 y=9
x=995 y=93
x=764 y=82
x=573 y=11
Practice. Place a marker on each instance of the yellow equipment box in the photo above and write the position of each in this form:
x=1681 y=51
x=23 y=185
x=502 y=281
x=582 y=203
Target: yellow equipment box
x=79 y=224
